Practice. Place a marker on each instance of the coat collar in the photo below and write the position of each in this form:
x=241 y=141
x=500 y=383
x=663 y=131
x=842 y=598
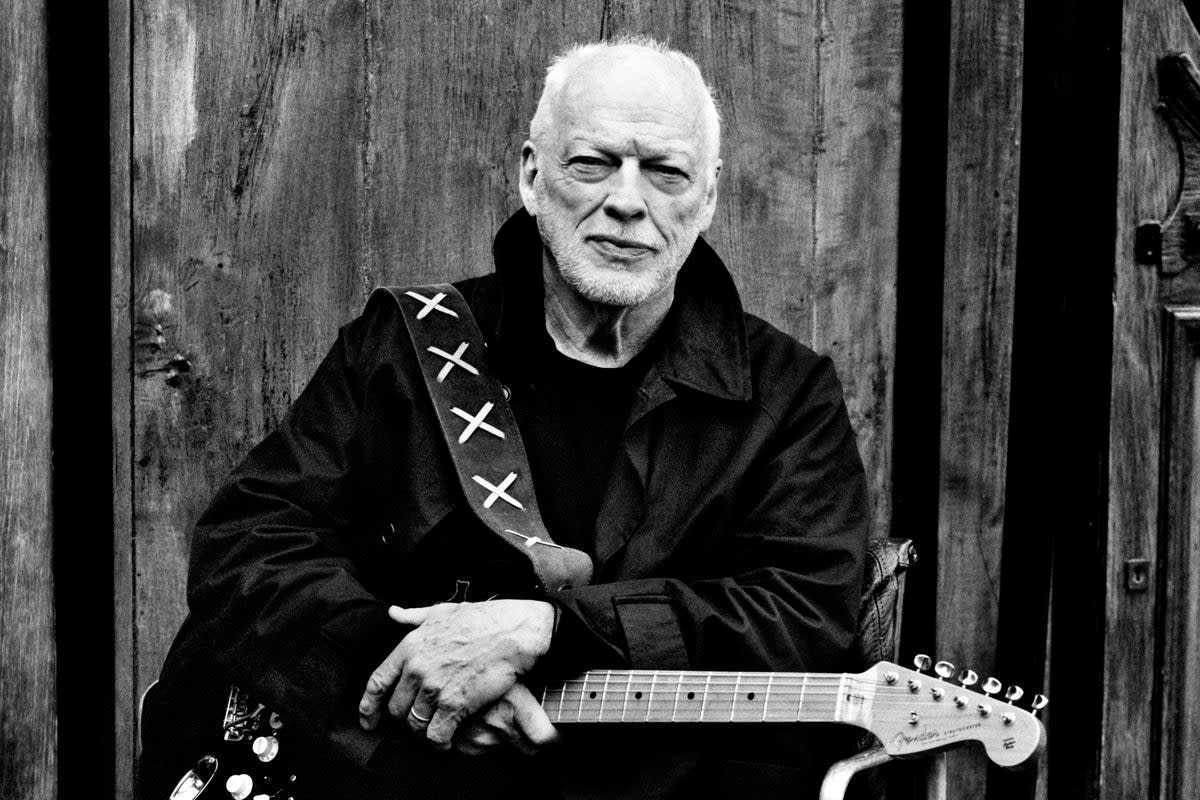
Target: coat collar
x=704 y=347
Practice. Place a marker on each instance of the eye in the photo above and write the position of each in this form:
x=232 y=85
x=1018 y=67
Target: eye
x=587 y=167
x=667 y=174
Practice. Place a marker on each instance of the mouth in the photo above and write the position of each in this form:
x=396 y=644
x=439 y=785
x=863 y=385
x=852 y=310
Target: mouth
x=619 y=246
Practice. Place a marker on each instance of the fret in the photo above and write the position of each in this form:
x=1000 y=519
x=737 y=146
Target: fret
x=625 y=702
x=583 y=692
x=841 y=692
x=737 y=691
x=650 y=696
x=800 y=704
x=767 y=698
x=678 y=689
x=603 y=696
x=704 y=695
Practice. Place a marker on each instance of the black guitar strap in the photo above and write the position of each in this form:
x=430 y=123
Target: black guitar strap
x=480 y=431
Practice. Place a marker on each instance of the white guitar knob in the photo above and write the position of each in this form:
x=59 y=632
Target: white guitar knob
x=266 y=748
x=239 y=786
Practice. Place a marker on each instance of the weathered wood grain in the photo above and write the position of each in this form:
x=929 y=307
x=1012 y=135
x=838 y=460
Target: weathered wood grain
x=1180 y=725
x=982 y=176
x=449 y=100
x=247 y=123
x=810 y=94
x=288 y=157
x=125 y=726
x=28 y=725
x=1147 y=183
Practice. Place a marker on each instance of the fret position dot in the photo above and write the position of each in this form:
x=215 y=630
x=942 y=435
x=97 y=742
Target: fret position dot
x=592 y=696
x=691 y=695
x=750 y=696
x=637 y=695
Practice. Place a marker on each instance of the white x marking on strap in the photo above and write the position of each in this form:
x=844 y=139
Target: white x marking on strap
x=452 y=361
x=498 y=491
x=476 y=422
x=431 y=304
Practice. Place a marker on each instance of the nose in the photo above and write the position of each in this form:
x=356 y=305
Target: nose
x=624 y=201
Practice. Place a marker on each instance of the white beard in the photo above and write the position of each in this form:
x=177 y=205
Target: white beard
x=605 y=282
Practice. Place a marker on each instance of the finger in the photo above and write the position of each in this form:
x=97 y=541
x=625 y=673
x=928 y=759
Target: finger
x=450 y=712
x=408 y=616
x=379 y=685
x=530 y=718
x=473 y=738
x=421 y=709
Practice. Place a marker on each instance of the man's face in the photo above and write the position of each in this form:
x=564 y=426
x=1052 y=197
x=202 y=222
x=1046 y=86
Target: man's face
x=624 y=180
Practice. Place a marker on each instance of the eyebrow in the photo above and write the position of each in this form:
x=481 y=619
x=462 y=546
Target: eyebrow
x=657 y=154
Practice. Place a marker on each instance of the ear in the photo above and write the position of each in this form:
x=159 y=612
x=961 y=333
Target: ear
x=710 y=197
x=529 y=171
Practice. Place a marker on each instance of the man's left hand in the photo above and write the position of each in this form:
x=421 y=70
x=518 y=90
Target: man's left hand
x=458 y=659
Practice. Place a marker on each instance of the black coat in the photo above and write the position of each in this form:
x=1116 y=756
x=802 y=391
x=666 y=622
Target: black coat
x=731 y=536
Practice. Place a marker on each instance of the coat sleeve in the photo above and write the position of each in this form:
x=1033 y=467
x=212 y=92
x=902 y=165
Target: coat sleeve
x=272 y=570
x=788 y=595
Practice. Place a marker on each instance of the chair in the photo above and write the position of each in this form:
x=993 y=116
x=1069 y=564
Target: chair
x=877 y=639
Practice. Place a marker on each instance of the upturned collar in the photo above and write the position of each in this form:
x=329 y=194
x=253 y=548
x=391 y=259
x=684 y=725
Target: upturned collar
x=704 y=336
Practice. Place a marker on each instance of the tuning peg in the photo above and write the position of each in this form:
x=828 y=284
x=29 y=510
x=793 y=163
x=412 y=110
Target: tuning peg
x=944 y=669
x=1013 y=693
x=922 y=662
x=1039 y=702
x=967 y=677
x=991 y=686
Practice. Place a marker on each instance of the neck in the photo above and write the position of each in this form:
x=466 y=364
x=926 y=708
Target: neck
x=675 y=696
x=596 y=333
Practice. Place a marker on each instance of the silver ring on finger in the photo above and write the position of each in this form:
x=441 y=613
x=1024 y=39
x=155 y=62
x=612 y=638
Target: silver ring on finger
x=412 y=712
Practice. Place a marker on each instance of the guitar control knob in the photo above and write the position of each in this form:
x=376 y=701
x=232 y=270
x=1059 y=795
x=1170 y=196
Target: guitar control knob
x=1013 y=693
x=944 y=669
x=239 y=786
x=922 y=662
x=991 y=686
x=266 y=748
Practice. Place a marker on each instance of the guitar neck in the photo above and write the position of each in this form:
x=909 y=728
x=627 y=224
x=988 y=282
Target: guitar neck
x=686 y=696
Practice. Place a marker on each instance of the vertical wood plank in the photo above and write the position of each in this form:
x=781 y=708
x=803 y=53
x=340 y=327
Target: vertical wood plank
x=28 y=726
x=983 y=165
x=807 y=220
x=1147 y=183
x=125 y=725
x=855 y=220
x=1180 y=611
x=443 y=143
x=247 y=136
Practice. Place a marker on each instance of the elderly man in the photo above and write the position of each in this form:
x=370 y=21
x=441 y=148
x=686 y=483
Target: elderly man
x=703 y=459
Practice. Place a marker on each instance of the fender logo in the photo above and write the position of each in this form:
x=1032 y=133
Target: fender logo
x=902 y=739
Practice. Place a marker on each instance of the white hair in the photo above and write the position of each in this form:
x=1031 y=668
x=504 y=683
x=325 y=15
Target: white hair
x=564 y=63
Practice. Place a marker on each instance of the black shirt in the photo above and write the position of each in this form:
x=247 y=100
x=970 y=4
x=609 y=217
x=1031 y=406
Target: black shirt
x=572 y=417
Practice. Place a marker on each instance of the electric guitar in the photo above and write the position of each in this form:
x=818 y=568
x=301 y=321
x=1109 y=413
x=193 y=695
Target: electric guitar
x=910 y=712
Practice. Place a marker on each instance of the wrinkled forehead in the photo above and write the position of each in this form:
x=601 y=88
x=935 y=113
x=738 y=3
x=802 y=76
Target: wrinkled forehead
x=647 y=91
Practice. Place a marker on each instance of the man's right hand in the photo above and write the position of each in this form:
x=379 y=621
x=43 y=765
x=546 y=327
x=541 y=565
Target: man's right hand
x=459 y=659
x=516 y=720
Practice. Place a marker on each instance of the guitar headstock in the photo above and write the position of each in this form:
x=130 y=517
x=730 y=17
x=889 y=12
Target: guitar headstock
x=913 y=712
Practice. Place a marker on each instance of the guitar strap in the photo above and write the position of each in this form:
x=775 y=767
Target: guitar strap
x=480 y=431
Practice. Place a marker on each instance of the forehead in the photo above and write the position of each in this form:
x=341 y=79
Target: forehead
x=638 y=100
